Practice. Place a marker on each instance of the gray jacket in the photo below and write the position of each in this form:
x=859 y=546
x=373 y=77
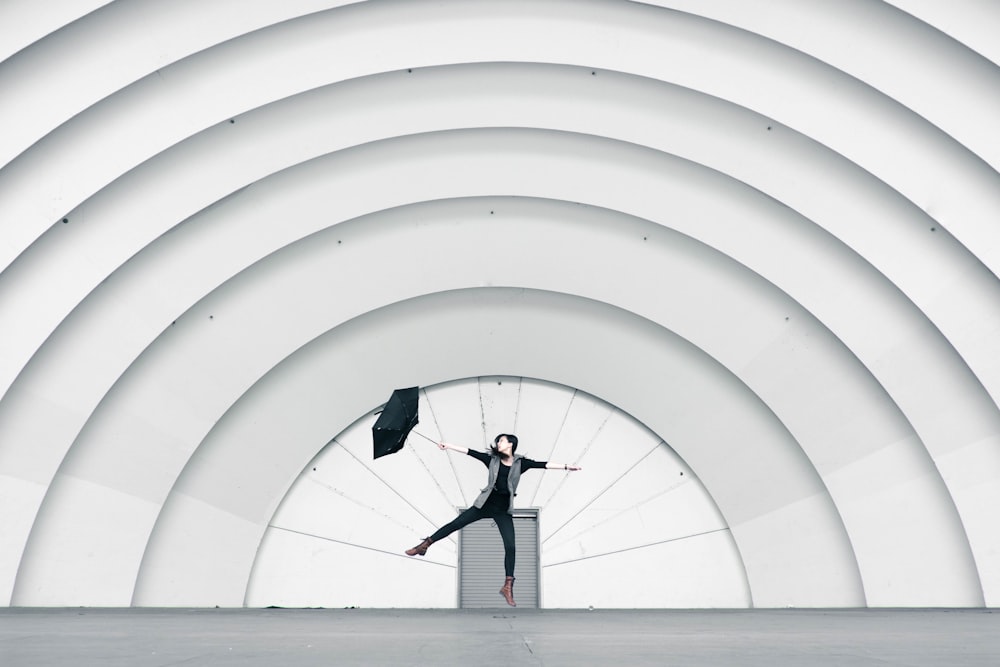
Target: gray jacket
x=512 y=479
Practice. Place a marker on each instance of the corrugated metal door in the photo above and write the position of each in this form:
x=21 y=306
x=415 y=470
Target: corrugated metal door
x=480 y=563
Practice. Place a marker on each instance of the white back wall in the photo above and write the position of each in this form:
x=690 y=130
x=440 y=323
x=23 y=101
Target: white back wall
x=758 y=239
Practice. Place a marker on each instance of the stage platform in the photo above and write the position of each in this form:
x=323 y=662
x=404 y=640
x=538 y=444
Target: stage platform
x=503 y=637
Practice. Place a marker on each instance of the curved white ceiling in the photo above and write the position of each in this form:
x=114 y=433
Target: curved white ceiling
x=765 y=230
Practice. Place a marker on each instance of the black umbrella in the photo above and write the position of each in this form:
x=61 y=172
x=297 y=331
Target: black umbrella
x=398 y=418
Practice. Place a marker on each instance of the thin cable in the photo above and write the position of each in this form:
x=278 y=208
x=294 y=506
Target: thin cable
x=389 y=486
x=590 y=443
x=517 y=403
x=482 y=412
x=423 y=463
x=357 y=546
x=641 y=546
x=608 y=488
x=451 y=463
x=562 y=426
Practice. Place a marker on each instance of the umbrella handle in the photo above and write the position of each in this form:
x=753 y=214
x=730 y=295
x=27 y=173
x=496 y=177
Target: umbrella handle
x=424 y=437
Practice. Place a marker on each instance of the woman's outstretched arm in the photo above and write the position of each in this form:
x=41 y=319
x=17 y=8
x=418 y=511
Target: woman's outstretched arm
x=460 y=450
x=561 y=466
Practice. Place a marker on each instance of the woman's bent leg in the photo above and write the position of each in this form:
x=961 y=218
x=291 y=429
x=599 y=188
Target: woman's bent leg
x=462 y=520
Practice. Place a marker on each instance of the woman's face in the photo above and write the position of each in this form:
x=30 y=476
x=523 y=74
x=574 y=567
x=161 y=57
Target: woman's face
x=504 y=446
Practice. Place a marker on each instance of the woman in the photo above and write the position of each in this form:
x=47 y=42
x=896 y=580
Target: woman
x=495 y=501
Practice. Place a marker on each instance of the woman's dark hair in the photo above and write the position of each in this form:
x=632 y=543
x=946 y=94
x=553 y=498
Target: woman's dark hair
x=512 y=439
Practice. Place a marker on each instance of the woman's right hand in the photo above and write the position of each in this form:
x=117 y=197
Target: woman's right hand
x=442 y=445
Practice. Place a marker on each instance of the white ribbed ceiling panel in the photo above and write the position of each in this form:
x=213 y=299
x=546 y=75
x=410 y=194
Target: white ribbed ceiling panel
x=766 y=231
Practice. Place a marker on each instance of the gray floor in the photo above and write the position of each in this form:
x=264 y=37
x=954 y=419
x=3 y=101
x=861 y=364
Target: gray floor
x=160 y=637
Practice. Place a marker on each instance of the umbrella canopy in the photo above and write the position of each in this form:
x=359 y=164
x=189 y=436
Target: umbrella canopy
x=396 y=421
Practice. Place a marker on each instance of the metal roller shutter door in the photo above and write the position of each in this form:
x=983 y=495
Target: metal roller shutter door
x=481 y=563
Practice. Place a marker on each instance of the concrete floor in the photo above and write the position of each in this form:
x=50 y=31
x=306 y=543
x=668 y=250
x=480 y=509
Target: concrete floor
x=775 y=638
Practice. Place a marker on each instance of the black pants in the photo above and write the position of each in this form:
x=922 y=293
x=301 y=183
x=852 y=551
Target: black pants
x=504 y=521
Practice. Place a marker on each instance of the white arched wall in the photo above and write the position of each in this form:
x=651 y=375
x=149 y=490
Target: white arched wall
x=334 y=541
x=637 y=122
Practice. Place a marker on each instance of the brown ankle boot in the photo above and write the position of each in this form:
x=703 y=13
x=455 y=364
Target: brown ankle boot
x=508 y=591
x=420 y=549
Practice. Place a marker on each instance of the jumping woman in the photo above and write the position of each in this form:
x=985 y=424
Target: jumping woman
x=495 y=501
